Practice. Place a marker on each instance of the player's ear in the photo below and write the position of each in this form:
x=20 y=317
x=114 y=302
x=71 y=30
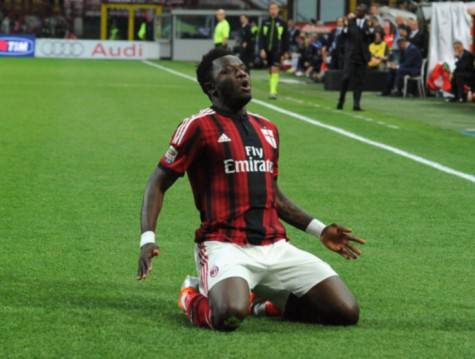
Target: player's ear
x=210 y=88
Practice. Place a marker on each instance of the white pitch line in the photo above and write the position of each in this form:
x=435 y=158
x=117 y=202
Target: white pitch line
x=440 y=167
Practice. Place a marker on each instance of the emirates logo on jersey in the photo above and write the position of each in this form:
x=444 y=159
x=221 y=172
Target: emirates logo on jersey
x=269 y=136
x=255 y=162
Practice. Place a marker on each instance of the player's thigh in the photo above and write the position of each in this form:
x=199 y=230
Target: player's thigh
x=218 y=261
x=297 y=271
x=273 y=61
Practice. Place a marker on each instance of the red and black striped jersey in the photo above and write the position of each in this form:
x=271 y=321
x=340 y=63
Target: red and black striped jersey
x=232 y=164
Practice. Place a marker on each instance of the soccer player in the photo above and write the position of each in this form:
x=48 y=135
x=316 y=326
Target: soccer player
x=274 y=46
x=231 y=158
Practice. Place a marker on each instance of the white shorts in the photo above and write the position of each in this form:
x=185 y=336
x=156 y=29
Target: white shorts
x=271 y=271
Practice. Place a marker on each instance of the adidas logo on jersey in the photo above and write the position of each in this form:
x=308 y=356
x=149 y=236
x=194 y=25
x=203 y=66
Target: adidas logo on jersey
x=223 y=138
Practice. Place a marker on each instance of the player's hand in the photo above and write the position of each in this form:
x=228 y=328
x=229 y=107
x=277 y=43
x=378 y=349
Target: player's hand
x=263 y=55
x=340 y=240
x=147 y=252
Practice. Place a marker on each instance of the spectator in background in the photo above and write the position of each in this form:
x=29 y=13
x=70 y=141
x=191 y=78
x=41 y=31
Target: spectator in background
x=357 y=35
x=403 y=31
x=389 y=33
x=410 y=64
x=17 y=26
x=246 y=42
x=418 y=37
x=374 y=13
x=400 y=23
x=294 y=33
x=5 y=26
x=303 y=61
x=337 y=45
x=222 y=29
x=463 y=74
x=315 y=58
x=379 y=52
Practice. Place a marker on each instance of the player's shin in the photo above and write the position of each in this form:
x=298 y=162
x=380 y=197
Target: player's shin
x=273 y=82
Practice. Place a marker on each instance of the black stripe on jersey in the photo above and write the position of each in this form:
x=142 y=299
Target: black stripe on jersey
x=231 y=184
x=262 y=123
x=254 y=217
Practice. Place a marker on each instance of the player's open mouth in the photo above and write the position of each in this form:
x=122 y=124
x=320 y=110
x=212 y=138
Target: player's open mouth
x=246 y=86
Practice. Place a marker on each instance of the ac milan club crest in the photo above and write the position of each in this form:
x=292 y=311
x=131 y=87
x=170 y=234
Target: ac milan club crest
x=214 y=271
x=269 y=136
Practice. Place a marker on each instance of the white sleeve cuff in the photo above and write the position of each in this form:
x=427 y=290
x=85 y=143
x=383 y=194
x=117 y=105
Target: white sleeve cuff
x=315 y=227
x=147 y=237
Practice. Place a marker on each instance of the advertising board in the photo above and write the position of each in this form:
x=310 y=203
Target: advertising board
x=97 y=49
x=17 y=46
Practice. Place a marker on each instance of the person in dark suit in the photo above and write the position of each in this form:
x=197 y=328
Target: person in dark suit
x=419 y=37
x=409 y=64
x=464 y=72
x=357 y=36
x=337 y=46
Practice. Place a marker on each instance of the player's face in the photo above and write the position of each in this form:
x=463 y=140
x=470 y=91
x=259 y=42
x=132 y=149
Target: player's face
x=274 y=10
x=232 y=82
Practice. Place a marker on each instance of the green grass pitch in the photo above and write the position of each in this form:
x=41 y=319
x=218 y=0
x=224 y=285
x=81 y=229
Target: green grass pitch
x=78 y=140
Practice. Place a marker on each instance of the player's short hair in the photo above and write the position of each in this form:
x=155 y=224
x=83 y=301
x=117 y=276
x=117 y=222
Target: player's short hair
x=203 y=71
x=457 y=42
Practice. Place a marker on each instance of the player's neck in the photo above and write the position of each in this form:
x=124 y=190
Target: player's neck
x=226 y=110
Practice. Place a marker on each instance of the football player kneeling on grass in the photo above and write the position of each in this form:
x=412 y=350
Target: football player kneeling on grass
x=242 y=251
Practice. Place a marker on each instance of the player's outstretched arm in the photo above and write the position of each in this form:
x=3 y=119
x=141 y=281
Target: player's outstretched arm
x=157 y=185
x=335 y=237
x=290 y=213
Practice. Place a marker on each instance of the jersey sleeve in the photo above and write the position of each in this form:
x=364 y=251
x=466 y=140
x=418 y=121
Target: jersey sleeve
x=184 y=147
x=226 y=29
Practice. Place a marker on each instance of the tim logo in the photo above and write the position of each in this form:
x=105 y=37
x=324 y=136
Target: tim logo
x=214 y=271
x=17 y=46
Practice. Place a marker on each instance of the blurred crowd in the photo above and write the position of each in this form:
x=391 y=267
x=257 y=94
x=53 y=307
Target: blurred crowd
x=48 y=22
x=399 y=47
x=320 y=52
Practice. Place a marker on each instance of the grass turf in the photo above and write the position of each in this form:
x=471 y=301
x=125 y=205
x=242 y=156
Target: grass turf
x=77 y=142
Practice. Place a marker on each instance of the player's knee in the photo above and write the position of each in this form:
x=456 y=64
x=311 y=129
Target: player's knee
x=349 y=313
x=229 y=317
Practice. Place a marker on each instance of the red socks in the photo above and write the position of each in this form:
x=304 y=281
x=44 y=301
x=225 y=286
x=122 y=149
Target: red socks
x=197 y=310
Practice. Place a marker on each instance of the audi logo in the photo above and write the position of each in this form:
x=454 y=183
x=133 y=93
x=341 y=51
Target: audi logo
x=62 y=48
